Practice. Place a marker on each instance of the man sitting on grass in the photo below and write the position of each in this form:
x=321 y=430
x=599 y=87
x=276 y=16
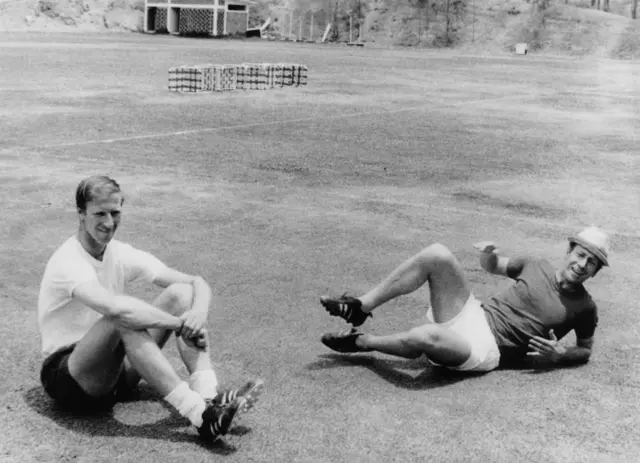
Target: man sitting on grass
x=528 y=318
x=98 y=342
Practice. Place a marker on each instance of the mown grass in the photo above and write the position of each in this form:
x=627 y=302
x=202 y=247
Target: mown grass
x=281 y=196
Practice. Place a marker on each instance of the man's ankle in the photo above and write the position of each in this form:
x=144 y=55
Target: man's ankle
x=366 y=305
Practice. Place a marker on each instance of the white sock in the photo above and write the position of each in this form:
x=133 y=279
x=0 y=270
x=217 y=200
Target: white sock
x=205 y=383
x=189 y=403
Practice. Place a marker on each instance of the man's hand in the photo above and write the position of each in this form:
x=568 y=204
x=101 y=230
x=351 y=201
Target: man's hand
x=490 y=260
x=199 y=341
x=193 y=331
x=486 y=246
x=549 y=348
x=193 y=323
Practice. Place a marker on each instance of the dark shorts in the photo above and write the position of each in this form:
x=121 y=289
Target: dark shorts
x=67 y=393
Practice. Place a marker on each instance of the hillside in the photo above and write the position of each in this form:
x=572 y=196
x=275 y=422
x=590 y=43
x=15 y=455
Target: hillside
x=485 y=26
x=496 y=25
x=72 y=15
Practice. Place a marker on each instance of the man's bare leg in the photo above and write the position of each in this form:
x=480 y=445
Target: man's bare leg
x=97 y=361
x=449 y=292
x=441 y=345
x=176 y=300
x=435 y=265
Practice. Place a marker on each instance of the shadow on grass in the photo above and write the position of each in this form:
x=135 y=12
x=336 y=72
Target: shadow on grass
x=105 y=425
x=429 y=376
x=533 y=365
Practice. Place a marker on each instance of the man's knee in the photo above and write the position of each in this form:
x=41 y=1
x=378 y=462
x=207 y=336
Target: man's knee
x=437 y=253
x=180 y=296
x=424 y=338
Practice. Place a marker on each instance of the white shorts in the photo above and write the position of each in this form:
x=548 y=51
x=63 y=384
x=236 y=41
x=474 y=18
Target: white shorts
x=471 y=323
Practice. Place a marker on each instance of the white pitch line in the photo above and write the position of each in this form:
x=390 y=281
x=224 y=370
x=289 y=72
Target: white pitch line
x=268 y=123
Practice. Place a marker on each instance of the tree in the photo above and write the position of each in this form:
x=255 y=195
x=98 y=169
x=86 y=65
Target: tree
x=447 y=13
x=424 y=5
x=358 y=11
x=335 y=29
x=453 y=12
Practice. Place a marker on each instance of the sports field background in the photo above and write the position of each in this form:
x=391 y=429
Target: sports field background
x=281 y=196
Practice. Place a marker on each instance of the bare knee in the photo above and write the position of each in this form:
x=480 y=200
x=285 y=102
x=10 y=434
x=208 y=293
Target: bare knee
x=180 y=296
x=437 y=253
x=424 y=338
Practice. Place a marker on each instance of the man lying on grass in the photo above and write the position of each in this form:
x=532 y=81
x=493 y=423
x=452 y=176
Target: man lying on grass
x=528 y=318
x=98 y=342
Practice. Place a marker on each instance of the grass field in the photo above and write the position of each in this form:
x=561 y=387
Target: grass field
x=279 y=197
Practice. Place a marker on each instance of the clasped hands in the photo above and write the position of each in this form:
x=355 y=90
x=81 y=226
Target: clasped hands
x=193 y=331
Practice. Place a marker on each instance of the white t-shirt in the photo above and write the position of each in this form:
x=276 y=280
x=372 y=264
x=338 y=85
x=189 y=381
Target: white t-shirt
x=64 y=320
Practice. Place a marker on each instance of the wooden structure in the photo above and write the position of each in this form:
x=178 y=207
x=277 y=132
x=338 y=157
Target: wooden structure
x=202 y=17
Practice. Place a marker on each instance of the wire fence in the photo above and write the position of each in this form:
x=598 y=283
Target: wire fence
x=313 y=25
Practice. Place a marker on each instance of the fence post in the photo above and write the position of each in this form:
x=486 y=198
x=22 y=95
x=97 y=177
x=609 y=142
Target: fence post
x=300 y=27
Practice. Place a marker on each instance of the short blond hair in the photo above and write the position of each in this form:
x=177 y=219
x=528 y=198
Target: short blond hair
x=91 y=187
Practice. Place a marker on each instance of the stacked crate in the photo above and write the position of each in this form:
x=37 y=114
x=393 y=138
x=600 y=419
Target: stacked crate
x=197 y=78
x=252 y=76
x=278 y=75
x=245 y=76
x=225 y=77
x=294 y=74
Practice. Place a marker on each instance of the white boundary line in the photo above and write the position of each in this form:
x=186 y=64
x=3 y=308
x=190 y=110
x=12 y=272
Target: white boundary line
x=179 y=133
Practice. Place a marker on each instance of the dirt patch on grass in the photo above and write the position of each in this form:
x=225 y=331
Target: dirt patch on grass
x=510 y=204
x=287 y=168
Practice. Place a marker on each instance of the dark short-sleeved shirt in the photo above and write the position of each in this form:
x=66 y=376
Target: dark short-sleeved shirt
x=535 y=304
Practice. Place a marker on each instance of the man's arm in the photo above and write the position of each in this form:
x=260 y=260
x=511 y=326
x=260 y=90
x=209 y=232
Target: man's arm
x=202 y=295
x=127 y=311
x=194 y=320
x=558 y=354
x=579 y=354
x=574 y=356
x=490 y=260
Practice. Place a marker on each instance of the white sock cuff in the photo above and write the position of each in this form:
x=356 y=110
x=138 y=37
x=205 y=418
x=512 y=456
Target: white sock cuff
x=187 y=402
x=178 y=393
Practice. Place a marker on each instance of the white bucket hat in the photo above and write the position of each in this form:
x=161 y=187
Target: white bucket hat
x=595 y=241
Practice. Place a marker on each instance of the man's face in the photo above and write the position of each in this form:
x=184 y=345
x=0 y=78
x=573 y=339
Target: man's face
x=580 y=265
x=102 y=217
